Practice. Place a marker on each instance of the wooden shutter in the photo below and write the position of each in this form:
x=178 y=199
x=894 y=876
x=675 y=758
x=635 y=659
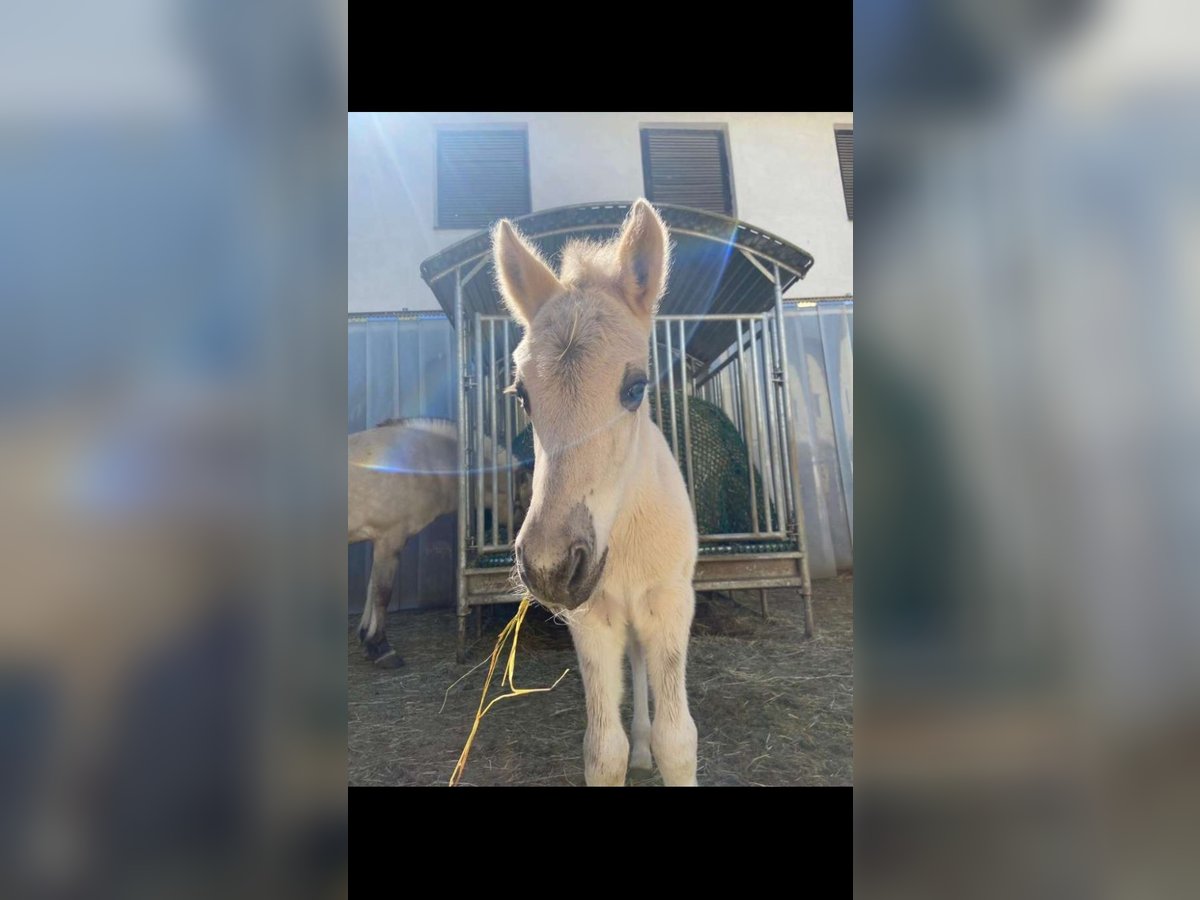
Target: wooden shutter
x=482 y=176
x=845 y=151
x=688 y=167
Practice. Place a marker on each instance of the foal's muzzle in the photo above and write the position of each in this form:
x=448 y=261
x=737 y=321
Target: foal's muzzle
x=565 y=584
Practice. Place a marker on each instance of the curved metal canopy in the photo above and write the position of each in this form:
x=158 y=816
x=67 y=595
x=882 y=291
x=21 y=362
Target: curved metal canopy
x=719 y=265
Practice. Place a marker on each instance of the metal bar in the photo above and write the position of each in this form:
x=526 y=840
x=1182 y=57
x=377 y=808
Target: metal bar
x=657 y=376
x=508 y=434
x=420 y=368
x=671 y=393
x=727 y=584
x=754 y=262
x=728 y=400
x=423 y=564
x=493 y=393
x=704 y=317
x=742 y=536
x=735 y=382
x=664 y=317
x=477 y=433
x=687 y=425
x=370 y=423
x=785 y=389
x=485 y=254
x=763 y=452
x=783 y=428
x=787 y=434
x=746 y=431
x=474 y=271
x=787 y=554
x=461 y=411
x=774 y=438
x=713 y=372
x=489 y=598
x=395 y=315
x=770 y=483
x=789 y=457
x=396 y=371
x=762 y=381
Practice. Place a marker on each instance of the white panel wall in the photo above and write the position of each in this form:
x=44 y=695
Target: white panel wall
x=785 y=175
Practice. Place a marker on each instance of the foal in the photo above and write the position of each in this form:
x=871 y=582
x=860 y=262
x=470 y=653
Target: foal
x=609 y=540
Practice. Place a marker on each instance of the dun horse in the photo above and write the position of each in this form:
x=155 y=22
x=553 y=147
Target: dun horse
x=609 y=540
x=401 y=478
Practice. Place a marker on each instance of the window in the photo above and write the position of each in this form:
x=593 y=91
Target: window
x=843 y=135
x=688 y=167
x=482 y=176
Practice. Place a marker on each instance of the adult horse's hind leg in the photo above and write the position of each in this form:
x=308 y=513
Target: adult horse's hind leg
x=600 y=646
x=639 y=755
x=663 y=631
x=372 y=630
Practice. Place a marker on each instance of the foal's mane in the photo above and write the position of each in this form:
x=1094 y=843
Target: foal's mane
x=589 y=264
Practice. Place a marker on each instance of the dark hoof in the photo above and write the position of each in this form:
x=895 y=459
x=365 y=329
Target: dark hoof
x=390 y=660
x=377 y=649
x=362 y=634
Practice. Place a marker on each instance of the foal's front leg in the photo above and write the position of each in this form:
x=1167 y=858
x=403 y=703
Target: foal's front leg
x=601 y=651
x=663 y=627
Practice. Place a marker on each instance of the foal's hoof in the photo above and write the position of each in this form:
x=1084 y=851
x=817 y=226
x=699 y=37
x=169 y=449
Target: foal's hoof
x=641 y=762
x=390 y=660
x=381 y=653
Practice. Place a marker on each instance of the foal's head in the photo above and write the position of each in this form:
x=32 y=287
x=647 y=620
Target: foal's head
x=581 y=373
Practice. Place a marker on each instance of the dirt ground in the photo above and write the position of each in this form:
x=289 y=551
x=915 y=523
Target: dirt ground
x=771 y=707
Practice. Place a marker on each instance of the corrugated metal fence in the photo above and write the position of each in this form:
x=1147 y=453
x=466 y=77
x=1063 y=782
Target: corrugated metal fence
x=820 y=340
x=402 y=364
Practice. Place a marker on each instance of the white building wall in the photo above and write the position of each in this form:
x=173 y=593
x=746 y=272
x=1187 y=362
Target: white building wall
x=785 y=180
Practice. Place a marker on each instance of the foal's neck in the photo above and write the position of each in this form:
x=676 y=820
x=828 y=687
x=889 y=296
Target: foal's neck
x=644 y=480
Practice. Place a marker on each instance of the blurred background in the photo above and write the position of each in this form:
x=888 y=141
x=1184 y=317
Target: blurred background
x=1028 y=381
x=172 y=273
x=172 y=262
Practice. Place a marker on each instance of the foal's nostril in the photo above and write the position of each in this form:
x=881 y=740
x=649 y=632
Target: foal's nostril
x=577 y=569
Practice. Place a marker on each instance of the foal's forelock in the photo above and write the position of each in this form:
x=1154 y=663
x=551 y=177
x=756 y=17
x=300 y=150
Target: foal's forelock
x=577 y=339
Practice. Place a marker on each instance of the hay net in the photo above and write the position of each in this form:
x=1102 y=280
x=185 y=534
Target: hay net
x=720 y=465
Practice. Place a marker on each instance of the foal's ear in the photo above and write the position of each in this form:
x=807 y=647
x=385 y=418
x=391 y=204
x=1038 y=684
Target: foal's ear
x=526 y=282
x=643 y=253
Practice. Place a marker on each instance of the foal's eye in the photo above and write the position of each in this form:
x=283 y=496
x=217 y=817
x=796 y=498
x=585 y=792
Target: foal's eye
x=522 y=397
x=632 y=394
